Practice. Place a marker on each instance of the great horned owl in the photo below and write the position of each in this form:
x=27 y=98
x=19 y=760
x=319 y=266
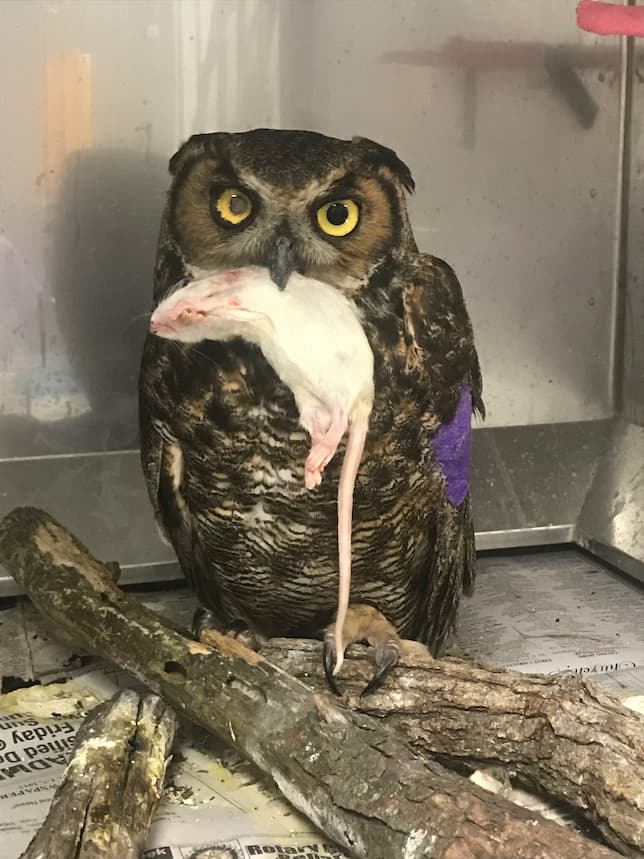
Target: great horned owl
x=221 y=447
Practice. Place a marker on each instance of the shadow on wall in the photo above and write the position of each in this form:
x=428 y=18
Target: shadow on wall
x=104 y=241
x=71 y=354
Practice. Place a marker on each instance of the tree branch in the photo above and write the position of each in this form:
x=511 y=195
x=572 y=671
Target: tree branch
x=356 y=780
x=559 y=734
x=105 y=804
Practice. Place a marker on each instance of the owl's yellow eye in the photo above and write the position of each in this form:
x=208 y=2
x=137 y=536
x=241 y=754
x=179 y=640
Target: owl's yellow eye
x=232 y=206
x=338 y=218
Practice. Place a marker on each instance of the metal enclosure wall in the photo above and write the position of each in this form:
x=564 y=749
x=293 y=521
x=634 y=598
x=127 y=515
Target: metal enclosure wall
x=512 y=122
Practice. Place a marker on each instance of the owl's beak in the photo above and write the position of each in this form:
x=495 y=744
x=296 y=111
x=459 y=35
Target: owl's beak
x=281 y=261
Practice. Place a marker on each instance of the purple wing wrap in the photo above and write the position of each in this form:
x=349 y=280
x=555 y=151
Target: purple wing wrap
x=453 y=449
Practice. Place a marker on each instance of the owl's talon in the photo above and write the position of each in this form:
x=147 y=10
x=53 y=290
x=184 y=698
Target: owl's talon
x=364 y=623
x=385 y=661
x=329 y=658
x=203 y=619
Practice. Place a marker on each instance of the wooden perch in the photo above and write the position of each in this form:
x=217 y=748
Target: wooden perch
x=559 y=734
x=104 y=807
x=353 y=777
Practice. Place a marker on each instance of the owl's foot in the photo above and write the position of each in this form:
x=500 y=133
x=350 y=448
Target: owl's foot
x=204 y=619
x=363 y=623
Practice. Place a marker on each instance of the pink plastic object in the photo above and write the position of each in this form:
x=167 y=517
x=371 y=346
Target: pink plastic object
x=610 y=19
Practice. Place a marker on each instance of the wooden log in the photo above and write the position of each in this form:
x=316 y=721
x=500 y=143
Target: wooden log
x=356 y=780
x=558 y=734
x=104 y=806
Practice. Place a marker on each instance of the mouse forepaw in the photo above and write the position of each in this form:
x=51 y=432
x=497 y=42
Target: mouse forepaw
x=321 y=454
x=312 y=479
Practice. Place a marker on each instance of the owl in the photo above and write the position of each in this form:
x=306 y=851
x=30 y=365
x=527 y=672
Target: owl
x=221 y=446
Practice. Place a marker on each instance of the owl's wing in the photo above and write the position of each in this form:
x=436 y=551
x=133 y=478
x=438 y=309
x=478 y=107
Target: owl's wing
x=162 y=464
x=439 y=337
x=444 y=366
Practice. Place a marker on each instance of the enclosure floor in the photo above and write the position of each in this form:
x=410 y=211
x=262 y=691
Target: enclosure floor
x=555 y=610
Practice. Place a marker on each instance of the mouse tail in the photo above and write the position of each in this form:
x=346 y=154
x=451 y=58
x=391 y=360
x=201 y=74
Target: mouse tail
x=352 y=458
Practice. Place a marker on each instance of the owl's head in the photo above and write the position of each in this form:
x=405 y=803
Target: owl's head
x=289 y=200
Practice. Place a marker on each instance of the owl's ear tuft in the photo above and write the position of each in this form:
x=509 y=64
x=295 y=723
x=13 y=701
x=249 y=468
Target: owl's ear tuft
x=194 y=147
x=378 y=156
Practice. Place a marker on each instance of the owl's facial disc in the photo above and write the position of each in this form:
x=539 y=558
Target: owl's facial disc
x=226 y=213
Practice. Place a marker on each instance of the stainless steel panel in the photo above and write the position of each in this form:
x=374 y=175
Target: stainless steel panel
x=509 y=117
x=530 y=483
x=101 y=497
x=612 y=519
x=513 y=188
x=632 y=322
x=523 y=203
x=83 y=173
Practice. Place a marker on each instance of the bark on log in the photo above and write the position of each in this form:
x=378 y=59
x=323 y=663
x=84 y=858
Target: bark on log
x=105 y=804
x=356 y=780
x=557 y=734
